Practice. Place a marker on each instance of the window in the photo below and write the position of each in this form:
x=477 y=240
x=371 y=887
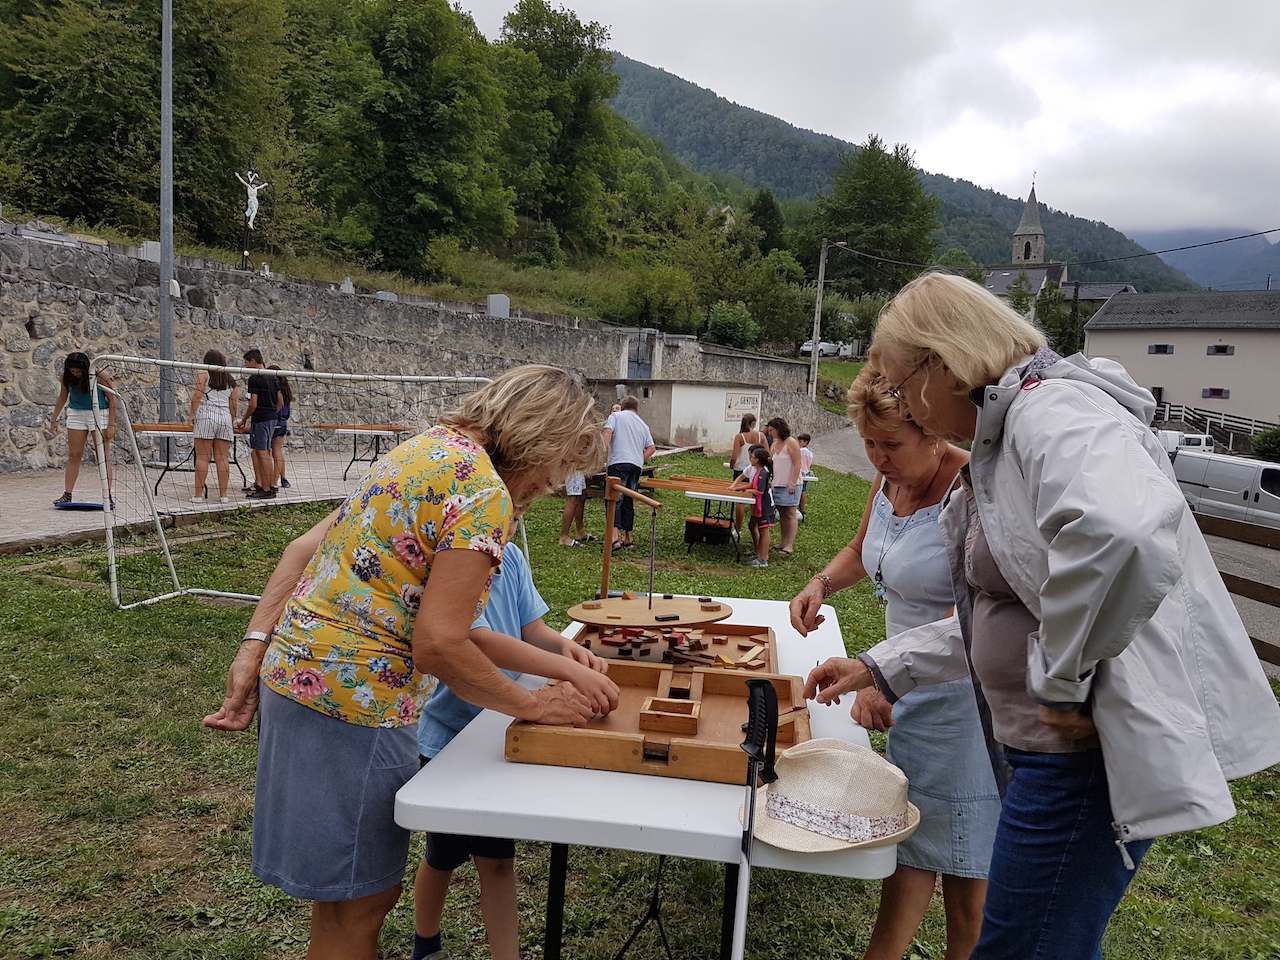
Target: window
x=645 y=392
x=1026 y=250
x=1215 y=393
x=1220 y=350
x=1271 y=481
x=1163 y=348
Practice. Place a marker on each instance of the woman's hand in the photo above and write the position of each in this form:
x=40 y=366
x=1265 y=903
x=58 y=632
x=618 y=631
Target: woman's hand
x=1069 y=724
x=241 y=702
x=805 y=606
x=109 y=432
x=872 y=711
x=562 y=705
x=838 y=675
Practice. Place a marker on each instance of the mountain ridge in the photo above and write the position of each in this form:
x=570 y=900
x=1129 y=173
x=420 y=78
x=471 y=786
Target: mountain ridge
x=713 y=134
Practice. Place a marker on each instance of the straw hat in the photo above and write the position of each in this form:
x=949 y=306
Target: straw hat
x=834 y=795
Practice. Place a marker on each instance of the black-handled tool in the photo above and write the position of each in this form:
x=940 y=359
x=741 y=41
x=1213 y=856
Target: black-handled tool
x=760 y=747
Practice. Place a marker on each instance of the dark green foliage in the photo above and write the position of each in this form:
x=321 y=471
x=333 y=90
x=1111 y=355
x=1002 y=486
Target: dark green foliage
x=1020 y=293
x=731 y=324
x=568 y=98
x=879 y=209
x=767 y=217
x=435 y=121
x=1266 y=445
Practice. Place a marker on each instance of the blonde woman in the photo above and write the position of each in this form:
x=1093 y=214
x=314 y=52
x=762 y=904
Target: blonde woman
x=338 y=659
x=1107 y=656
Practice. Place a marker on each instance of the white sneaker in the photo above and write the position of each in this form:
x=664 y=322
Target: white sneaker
x=197 y=499
x=224 y=499
x=799 y=515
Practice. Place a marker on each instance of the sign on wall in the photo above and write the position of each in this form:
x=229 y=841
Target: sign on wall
x=738 y=405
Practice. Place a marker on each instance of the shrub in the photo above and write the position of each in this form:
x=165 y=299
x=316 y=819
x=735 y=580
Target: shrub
x=1266 y=445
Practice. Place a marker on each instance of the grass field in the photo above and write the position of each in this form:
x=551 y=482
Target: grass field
x=124 y=826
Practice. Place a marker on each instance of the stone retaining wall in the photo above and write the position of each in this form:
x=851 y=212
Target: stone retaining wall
x=56 y=297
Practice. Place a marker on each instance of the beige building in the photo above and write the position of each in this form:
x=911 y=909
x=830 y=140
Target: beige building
x=1216 y=351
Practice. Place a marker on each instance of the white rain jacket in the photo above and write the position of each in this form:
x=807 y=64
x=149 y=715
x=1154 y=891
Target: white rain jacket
x=1086 y=522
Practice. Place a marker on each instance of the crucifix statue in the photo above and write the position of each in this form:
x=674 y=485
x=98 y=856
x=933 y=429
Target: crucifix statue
x=252 y=185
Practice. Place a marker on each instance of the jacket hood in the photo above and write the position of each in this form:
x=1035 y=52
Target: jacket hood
x=1107 y=375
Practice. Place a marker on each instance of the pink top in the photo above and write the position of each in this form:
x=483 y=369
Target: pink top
x=784 y=472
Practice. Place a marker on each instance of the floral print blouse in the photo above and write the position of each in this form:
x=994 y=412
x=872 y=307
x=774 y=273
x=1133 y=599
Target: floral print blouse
x=343 y=644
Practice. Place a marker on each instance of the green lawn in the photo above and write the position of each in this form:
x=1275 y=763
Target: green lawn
x=124 y=826
x=841 y=373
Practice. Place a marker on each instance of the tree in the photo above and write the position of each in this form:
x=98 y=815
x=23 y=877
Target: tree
x=576 y=85
x=1266 y=445
x=731 y=324
x=878 y=207
x=766 y=214
x=1020 y=294
x=1054 y=318
x=437 y=116
x=968 y=267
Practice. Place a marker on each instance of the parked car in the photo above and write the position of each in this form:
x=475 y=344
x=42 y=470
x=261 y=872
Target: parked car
x=826 y=348
x=1236 y=488
x=1196 y=441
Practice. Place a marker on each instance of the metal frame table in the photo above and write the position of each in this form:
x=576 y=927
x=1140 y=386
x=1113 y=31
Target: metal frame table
x=170 y=431
x=357 y=430
x=719 y=520
x=470 y=788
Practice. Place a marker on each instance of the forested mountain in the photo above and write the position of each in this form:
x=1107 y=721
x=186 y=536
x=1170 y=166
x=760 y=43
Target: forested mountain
x=1239 y=265
x=713 y=134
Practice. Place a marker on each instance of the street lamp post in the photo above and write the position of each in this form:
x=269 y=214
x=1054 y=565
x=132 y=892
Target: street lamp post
x=815 y=345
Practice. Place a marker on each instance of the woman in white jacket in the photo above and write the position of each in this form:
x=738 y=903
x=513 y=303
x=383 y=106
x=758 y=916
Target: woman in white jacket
x=1120 y=688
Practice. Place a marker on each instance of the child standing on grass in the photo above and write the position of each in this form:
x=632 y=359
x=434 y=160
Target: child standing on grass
x=759 y=478
x=575 y=499
x=806 y=468
x=515 y=609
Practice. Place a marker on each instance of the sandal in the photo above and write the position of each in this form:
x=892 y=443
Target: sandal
x=628 y=546
x=589 y=538
x=617 y=545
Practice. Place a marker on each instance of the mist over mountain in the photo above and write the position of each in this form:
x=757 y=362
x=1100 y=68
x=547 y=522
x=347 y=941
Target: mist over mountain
x=1243 y=264
x=713 y=134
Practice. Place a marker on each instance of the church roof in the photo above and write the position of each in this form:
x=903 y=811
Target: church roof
x=1030 y=222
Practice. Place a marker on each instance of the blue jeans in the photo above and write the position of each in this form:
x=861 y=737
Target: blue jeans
x=625 y=513
x=1056 y=873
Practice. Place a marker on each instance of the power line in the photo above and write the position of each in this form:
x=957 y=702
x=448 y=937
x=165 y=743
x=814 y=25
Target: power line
x=1070 y=263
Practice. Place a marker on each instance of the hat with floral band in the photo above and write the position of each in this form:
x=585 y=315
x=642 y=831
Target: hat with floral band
x=834 y=795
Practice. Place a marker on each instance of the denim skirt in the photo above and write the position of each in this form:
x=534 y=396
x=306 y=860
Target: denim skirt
x=781 y=498
x=324 y=809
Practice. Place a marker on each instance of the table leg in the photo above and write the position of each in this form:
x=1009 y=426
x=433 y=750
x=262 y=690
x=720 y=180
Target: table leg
x=355 y=452
x=726 y=913
x=553 y=934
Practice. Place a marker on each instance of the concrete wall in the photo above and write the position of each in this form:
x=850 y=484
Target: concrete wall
x=56 y=297
x=1249 y=374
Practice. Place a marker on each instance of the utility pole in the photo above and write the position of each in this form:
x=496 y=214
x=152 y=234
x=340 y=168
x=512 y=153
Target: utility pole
x=815 y=345
x=167 y=405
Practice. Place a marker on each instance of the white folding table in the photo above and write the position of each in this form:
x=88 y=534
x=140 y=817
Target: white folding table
x=469 y=788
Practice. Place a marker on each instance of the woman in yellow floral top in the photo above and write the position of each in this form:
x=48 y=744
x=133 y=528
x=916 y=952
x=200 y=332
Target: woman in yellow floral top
x=339 y=684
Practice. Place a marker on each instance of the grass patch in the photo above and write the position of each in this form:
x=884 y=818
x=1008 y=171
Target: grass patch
x=837 y=374
x=125 y=827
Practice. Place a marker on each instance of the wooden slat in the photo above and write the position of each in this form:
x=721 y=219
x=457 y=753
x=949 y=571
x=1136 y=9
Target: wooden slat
x=1234 y=530
x=1267 y=652
x=1251 y=589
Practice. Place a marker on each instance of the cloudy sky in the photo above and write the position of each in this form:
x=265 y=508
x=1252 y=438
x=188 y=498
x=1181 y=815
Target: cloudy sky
x=1147 y=115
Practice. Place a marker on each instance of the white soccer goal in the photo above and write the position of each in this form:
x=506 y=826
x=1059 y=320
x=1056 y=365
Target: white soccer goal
x=340 y=423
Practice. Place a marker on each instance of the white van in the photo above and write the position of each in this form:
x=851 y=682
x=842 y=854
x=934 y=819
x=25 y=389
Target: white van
x=1233 y=487
x=1196 y=441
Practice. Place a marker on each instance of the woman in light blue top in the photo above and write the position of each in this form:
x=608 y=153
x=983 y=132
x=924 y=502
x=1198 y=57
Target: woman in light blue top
x=937 y=738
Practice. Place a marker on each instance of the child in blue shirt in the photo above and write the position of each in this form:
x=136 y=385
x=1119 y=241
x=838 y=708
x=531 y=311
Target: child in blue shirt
x=515 y=609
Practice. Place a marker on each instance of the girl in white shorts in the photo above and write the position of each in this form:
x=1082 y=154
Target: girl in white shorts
x=77 y=395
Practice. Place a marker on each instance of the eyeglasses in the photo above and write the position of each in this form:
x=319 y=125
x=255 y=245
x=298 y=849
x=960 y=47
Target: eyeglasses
x=894 y=392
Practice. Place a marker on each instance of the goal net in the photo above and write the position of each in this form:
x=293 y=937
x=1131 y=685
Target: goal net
x=164 y=528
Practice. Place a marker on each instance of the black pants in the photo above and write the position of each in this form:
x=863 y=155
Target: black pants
x=624 y=517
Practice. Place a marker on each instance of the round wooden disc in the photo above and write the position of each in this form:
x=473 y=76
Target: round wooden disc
x=628 y=612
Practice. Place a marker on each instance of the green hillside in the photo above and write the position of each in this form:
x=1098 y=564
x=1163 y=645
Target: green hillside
x=711 y=134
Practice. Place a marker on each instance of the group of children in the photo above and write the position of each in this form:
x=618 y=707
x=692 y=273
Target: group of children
x=757 y=477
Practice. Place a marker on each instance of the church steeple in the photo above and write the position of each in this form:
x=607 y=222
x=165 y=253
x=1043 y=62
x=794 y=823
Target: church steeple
x=1028 y=239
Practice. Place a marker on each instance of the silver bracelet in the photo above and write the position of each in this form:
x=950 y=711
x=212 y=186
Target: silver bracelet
x=257 y=635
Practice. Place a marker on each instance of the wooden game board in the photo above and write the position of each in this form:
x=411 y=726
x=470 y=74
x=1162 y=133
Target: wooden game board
x=671 y=721
x=633 y=610
x=726 y=646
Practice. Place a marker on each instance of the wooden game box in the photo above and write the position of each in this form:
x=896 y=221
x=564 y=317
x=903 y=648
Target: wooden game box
x=671 y=721
x=728 y=646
